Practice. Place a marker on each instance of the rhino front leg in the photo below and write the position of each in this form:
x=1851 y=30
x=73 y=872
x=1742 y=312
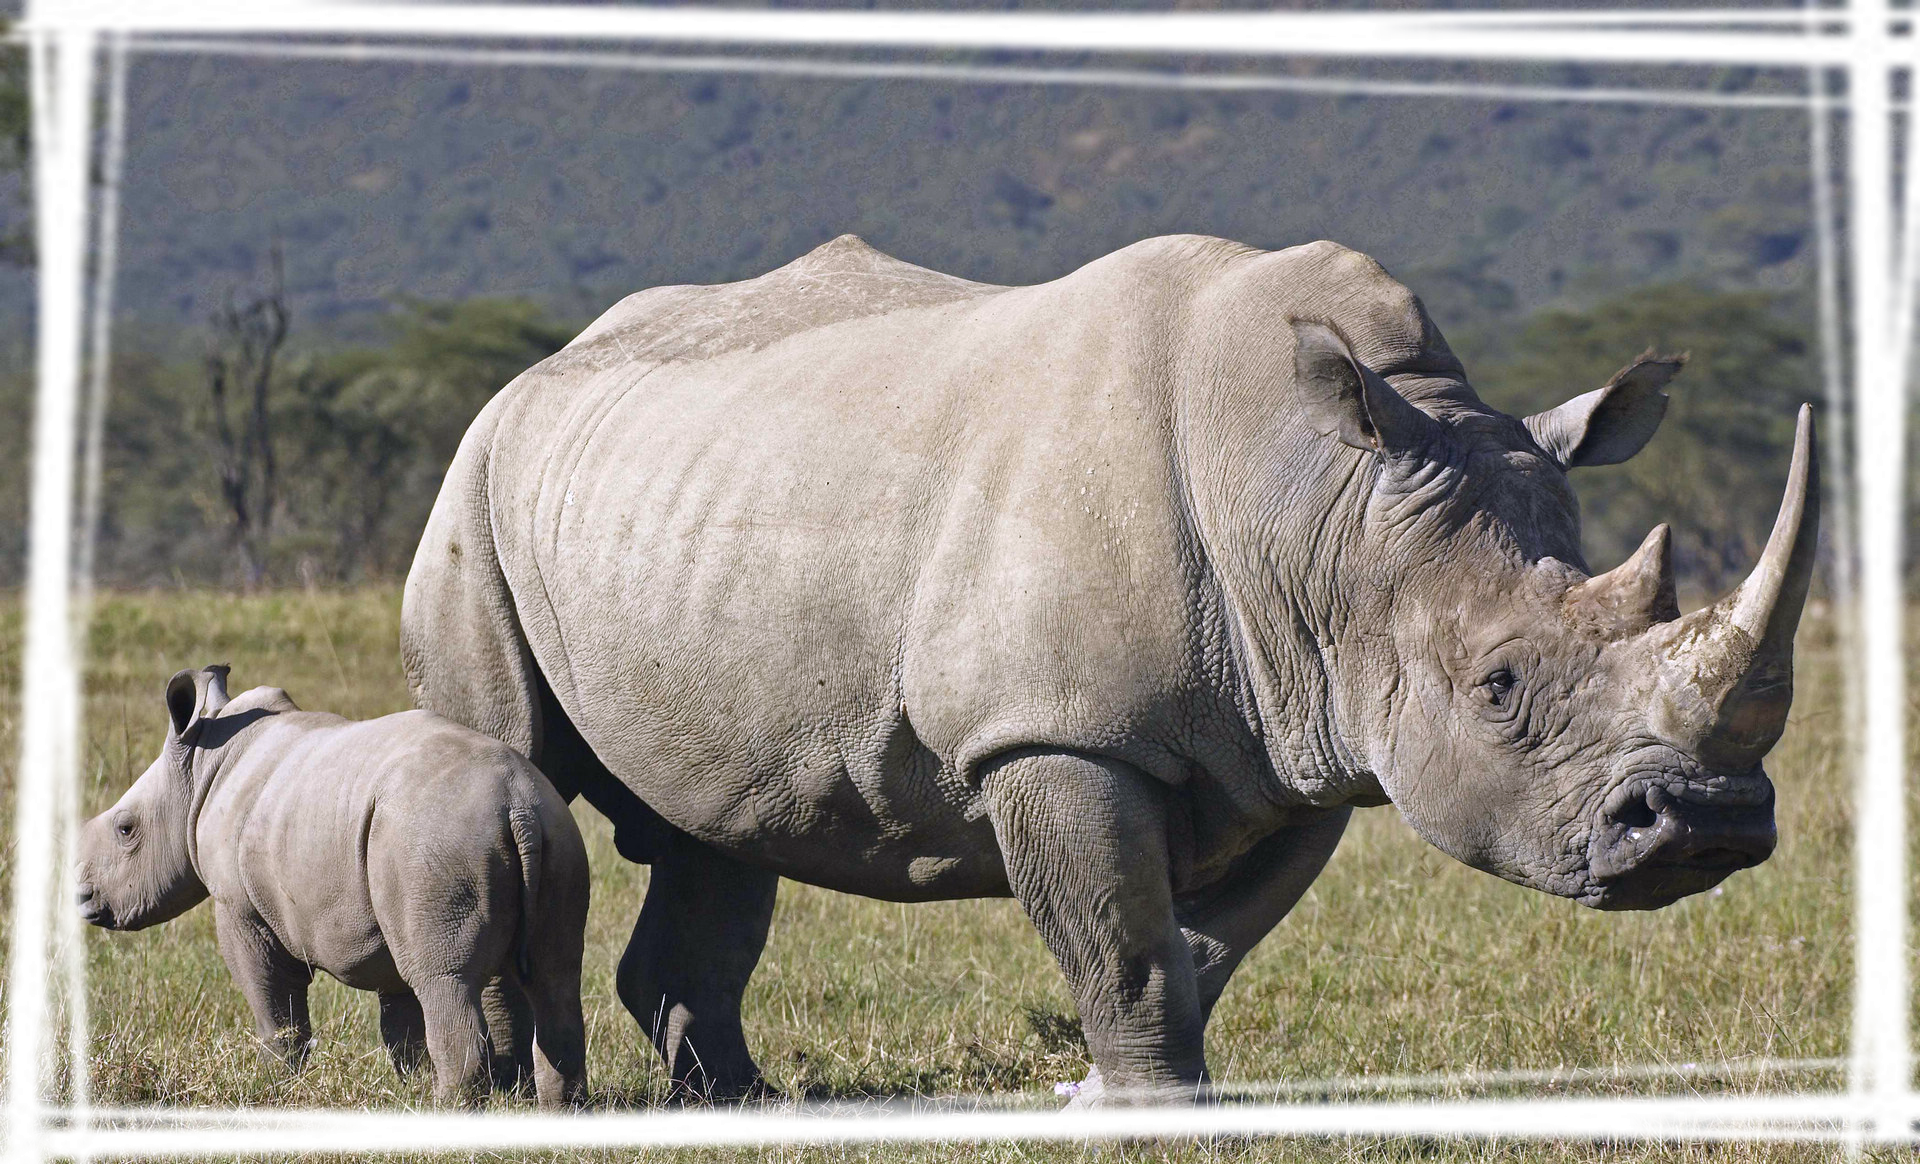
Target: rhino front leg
x=273 y=982
x=1226 y=920
x=1085 y=845
x=697 y=940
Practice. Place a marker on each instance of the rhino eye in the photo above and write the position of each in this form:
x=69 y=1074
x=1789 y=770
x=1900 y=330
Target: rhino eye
x=1498 y=686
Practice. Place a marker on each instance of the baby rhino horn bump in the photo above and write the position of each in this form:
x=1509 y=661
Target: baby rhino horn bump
x=1634 y=595
x=1726 y=676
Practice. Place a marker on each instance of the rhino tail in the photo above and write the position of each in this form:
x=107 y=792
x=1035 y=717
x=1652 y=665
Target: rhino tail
x=527 y=841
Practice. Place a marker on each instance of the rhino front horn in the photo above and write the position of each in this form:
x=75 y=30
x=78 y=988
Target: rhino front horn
x=1726 y=672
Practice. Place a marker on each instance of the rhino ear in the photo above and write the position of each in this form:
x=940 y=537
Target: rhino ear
x=1610 y=424
x=1345 y=401
x=194 y=697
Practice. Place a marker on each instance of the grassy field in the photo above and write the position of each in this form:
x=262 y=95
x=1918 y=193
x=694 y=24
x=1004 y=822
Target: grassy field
x=1398 y=960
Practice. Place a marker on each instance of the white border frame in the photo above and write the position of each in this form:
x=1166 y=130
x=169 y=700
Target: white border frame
x=64 y=38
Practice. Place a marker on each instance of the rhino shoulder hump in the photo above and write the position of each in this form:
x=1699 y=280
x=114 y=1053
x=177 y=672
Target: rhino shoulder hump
x=839 y=280
x=1380 y=316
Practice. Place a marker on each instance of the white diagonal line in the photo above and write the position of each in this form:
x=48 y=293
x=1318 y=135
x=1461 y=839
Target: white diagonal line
x=1782 y=39
x=929 y=71
x=1881 y=1068
x=1777 y=1117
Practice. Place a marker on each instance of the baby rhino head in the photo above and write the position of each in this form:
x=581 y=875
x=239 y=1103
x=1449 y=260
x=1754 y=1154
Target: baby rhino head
x=136 y=865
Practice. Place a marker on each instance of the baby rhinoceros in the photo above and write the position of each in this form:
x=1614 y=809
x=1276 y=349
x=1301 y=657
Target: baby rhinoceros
x=406 y=855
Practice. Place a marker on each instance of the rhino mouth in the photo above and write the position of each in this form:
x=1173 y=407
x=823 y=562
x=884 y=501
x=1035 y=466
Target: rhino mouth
x=93 y=910
x=1655 y=843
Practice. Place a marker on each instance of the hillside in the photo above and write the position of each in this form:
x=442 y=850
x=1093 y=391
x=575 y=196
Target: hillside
x=572 y=186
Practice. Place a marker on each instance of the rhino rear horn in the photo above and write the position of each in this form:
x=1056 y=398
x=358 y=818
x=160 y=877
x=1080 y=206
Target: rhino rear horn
x=1349 y=403
x=1726 y=674
x=1634 y=595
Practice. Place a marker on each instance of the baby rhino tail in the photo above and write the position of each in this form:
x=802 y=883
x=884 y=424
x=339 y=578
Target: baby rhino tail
x=528 y=841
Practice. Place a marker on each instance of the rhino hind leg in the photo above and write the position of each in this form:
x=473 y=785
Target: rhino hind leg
x=685 y=971
x=456 y=1029
x=509 y=1034
x=560 y=1036
x=403 y=1031
x=553 y=949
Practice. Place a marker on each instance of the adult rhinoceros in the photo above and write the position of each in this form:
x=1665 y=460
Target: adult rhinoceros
x=1115 y=594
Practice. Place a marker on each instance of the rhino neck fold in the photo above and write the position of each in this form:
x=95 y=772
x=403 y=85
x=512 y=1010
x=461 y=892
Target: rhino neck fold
x=204 y=767
x=1287 y=579
x=211 y=759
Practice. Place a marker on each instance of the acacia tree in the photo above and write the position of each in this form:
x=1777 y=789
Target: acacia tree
x=245 y=342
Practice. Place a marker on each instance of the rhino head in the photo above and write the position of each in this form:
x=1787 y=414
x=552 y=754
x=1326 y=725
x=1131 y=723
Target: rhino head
x=136 y=864
x=1576 y=734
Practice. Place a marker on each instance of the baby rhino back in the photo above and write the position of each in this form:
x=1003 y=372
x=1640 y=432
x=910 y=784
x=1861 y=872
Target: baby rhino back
x=388 y=850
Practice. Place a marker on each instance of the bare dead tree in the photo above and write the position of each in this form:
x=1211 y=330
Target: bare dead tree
x=244 y=343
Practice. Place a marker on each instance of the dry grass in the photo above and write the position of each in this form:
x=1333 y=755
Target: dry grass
x=1397 y=961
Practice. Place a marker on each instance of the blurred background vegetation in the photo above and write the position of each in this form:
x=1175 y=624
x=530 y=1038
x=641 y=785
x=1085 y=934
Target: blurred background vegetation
x=328 y=267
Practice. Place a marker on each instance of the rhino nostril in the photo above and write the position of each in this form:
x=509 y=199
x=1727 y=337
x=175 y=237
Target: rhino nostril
x=1637 y=814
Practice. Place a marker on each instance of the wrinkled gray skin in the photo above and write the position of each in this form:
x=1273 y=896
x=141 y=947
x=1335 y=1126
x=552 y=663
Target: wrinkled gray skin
x=1115 y=594
x=405 y=855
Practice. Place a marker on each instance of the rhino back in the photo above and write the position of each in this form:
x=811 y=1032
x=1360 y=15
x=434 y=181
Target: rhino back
x=794 y=594
x=840 y=280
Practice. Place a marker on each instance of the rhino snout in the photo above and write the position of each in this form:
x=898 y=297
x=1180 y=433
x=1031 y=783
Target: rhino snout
x=1652 y=847
x=93 y=908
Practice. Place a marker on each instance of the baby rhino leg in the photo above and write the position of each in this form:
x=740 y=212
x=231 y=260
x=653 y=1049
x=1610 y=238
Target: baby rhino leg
x=554 y=924
x=273 y=981
x=456 y=1030
x=510 y=1032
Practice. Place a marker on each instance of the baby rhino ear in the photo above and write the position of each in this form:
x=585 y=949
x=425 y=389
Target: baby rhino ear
x=193 y=697
x=1610 y=424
